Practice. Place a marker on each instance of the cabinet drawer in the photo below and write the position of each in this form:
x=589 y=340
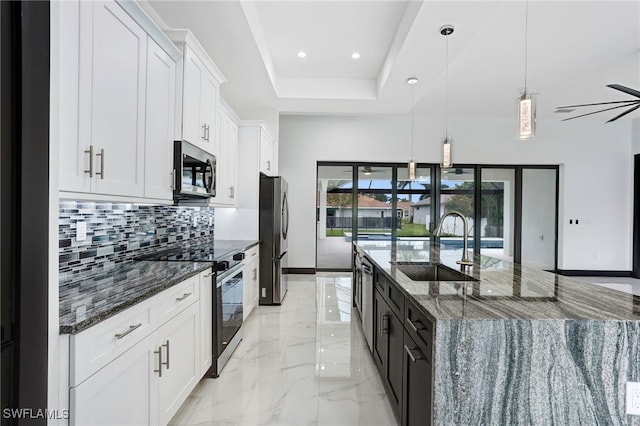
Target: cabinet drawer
x=380 y=282
x=251 y=254
x=395 y=298
x=95 y=347
x=177 y=298
x=420 y=328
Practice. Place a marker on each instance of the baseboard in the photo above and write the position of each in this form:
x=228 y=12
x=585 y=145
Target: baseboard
x=304 y=271
x=588 y=273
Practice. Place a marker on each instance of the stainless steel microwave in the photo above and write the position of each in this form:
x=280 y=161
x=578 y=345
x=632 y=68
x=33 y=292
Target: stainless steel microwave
x=195 y=172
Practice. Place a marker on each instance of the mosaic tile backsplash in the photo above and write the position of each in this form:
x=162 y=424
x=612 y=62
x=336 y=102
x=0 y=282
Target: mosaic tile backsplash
x=118 y=232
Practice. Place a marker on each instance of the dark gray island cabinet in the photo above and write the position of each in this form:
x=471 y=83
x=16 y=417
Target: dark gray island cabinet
x=512 y=346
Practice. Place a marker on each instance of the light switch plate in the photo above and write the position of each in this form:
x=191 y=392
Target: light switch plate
x=81 y=231
x=633 y=398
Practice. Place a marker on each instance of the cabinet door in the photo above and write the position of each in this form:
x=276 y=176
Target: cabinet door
x=232 y=162
x=250 y=288
x=179 y=342
x=381 y=340
x=192 y=129
x=161 y=74
x=267 y=165
x=207 y=286
x=124 y=392
x=208 y=113
x=73 y=161
x=417 y=401
x=222 y=190
x=395 y=356
x=116 y=60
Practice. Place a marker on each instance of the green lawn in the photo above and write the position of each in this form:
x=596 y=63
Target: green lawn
x=408 y=230
x=413 y=230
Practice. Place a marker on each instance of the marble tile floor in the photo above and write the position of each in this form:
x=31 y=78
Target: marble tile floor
x=302 y=363
x=626 y=284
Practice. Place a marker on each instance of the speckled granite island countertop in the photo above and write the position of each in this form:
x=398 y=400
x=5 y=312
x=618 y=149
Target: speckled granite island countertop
x=521 y=345
x=87 y=300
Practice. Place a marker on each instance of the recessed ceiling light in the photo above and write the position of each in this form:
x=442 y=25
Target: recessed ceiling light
x=301 y=54
x=412 y=80
x=355 y=55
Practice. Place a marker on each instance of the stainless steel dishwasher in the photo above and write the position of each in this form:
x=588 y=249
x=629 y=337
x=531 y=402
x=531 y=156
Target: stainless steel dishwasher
x=367 y=301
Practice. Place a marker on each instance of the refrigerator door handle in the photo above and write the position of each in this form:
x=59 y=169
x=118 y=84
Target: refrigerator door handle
x=281 y=256
x=285 y=216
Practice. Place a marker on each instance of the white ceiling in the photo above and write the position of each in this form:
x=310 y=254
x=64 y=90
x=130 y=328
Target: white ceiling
x=575 y=48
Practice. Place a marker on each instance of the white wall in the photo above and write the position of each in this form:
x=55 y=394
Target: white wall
x=595 y=180
x=635 y=132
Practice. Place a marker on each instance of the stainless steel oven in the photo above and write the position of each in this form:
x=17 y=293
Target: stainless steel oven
x=194 y=174
x=228 y=313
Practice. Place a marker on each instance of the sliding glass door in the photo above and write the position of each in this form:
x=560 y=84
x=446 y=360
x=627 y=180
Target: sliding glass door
x=539 y=213
x=497 y=192
x=334 y=213
x=510 y=211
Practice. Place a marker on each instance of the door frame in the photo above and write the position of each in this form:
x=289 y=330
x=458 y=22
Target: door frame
x=635 y=267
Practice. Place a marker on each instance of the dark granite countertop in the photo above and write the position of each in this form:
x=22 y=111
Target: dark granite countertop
x=220 y=246
x=87 y=300
x=503 y=290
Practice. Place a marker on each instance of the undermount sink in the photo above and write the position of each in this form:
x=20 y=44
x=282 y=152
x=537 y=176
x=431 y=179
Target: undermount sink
x=425 y=271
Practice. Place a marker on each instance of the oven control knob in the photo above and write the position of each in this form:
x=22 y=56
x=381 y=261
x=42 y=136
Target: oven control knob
x=238 y=256
x=222 y=265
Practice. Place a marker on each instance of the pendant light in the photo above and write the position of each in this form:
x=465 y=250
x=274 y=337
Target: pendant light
x=412 y=81
x=446 y=30
x=526 y=118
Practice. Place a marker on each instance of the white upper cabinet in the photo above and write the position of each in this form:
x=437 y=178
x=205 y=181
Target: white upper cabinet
x=194 y=127
x=72 y=160
x=161 y=77
x=115 y=91
x=227 y=161
x=198 y=88
x=267 y=153
x=113 y=55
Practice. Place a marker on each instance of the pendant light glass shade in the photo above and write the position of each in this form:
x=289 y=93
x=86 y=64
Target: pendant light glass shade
x=446 y=31
x=526 y=116
x=446 y=152
x=412 y=169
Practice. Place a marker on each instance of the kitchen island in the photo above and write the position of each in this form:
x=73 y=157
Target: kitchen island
x=515 y=345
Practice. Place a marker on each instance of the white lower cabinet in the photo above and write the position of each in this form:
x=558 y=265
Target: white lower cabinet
x=148 y=379
x=250 y=281
x=207 y=287
x=179 y=343
x=122 y=393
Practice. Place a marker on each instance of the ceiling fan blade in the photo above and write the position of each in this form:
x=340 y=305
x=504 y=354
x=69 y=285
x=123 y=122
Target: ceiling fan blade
x=595 y=112
x=599 y=103
x=624 y=113
x=625 y=89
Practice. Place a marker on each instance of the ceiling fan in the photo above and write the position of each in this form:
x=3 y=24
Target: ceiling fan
x=633 y=103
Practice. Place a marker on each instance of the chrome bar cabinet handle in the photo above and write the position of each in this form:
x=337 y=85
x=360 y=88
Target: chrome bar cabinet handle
x=101 y=155
x=159 y=370
x=166 y=364
x=90 y=152
x=184 y=296
x=131 y=328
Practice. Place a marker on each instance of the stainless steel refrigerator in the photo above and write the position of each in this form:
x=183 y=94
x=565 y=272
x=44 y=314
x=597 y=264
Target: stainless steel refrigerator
x=274 y=227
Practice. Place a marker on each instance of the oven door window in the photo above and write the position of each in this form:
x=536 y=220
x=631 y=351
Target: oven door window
x=230 y=309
